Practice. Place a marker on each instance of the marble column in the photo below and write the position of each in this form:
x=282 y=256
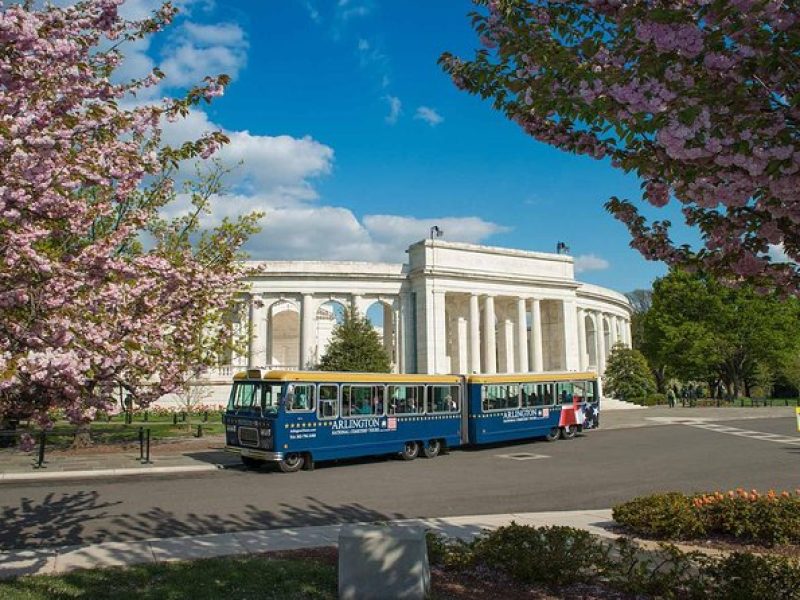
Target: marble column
x=583 y=354
x=569 y=314
x=489 y=343
x=307 y=328
x=257 y=347
x=537 y=359
x=522 y=337
x=614 y=331
x=474 y=335
x=505 y=343
x=462 y=364
x=603 y=354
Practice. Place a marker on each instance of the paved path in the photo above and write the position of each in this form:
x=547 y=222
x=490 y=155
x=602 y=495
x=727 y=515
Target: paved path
x=67 y=558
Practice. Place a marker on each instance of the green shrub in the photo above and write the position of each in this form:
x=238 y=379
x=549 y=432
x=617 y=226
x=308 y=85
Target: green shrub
x=744 y=576
x=549 y=555
x=669 y=516
x=655 y=399
x=637 y=400
x=454 y=554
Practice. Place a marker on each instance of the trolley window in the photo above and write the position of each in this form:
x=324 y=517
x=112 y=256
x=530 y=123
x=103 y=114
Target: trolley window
x=245 y=395
x=546 y=392
x=564 y=391
x=405 y=399
x=531 y=395
x=500 y=397
x=579 y=391
x=591 y=391
x=443 y=398
x=300 y=397
x=328 y=407
x=362 y=400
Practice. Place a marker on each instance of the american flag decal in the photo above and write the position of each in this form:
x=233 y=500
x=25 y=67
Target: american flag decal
x=391 y=424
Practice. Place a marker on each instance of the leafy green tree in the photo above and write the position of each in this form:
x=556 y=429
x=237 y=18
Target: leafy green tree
x=355 y=346
x=703 y=330
x=627 y=374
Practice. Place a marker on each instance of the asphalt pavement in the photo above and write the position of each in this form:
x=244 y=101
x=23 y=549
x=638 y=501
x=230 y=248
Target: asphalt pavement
x=593 y=471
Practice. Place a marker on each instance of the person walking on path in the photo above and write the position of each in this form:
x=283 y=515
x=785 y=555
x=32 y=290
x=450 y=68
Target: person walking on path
x=671 y=398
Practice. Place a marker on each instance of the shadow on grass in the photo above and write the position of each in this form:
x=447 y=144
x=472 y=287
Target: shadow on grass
x=243 y=577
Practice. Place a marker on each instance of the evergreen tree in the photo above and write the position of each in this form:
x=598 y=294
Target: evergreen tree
x=627 y=374
x=355 y=346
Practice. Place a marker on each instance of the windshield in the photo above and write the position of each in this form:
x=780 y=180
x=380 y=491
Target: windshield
x=256 y=396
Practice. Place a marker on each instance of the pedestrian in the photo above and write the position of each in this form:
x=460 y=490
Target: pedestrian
x=671 y=398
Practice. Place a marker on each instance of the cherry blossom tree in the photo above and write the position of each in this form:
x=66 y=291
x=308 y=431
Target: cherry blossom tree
x=98 y=292
x=699 y=98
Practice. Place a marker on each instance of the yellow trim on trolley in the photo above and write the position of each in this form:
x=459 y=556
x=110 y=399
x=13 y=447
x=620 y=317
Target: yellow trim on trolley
x=532 y=377
x=341 y=377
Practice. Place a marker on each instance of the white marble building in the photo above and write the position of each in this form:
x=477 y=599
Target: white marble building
x=451 y=308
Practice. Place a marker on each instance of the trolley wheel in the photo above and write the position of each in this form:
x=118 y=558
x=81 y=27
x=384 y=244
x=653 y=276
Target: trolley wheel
x=291 y=462
x=250 y=462
x=569 y=431
x=553 y=434
x=410 y=451
x=432 y=448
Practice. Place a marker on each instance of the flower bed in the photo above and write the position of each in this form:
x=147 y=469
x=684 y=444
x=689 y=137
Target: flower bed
x=768 y=519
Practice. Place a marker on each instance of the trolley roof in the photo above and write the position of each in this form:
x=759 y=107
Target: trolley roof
x=532 y=377
x=345 y=377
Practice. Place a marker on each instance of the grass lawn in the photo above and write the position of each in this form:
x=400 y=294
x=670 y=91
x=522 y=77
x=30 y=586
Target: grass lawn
x=116 y=431
x=240 y=578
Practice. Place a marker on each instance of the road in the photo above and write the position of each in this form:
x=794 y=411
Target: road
x=593 y=471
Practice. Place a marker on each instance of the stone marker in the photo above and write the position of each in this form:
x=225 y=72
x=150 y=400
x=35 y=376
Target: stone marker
x=383 y=563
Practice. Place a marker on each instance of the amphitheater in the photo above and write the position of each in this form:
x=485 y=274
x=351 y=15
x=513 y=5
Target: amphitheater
x=448 y=308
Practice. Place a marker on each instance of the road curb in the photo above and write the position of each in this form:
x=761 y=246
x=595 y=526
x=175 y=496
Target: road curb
x=84 y=474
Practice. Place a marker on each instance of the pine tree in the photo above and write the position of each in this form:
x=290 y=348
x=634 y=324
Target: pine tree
x=355 y=346
x=627 y=374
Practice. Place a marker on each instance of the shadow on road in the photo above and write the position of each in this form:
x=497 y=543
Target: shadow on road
x=66 y=519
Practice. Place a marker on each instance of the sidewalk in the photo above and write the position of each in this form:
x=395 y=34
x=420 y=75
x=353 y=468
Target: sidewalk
x=19 y=466
x=67 y=558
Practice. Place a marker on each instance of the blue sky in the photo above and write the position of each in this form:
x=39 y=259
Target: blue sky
x=354 y=142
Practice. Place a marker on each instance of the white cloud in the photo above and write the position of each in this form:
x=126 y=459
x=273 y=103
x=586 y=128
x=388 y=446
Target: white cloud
x=275 y=167
x=429 y=115
x=204 y=50
x=395 y=108
x=590 y=262
x=334 y=233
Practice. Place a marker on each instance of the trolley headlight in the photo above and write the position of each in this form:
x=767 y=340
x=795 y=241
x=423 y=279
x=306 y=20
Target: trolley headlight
x=230 y=428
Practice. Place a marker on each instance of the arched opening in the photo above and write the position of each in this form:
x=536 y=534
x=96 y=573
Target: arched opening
x=284 y=339
x=381 y=315
x=591 y=341
x=329 y=315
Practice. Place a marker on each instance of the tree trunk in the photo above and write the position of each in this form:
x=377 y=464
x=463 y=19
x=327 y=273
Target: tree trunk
x=83 y=437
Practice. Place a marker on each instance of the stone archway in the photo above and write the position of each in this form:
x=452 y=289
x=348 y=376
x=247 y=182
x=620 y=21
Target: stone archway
x=329 y=315
x=381 y=314
x=591 y=341
x=283 y=350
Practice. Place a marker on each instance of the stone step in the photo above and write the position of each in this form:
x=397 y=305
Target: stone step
x=614 y=404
